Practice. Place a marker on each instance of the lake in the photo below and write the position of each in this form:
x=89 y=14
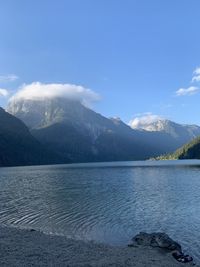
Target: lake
x=106 y=202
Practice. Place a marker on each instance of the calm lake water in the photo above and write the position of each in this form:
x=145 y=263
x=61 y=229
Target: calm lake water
x=106 y=202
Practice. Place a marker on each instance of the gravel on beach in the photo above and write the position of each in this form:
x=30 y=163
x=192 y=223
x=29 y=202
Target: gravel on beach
x=24 y=248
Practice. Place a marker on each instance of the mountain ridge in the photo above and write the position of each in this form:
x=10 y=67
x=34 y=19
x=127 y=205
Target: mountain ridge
x=79 y=128
x=79 y=134
x=171 y=127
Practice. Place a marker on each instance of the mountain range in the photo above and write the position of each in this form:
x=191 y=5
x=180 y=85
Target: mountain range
x=67 y=131
x=179 y=131
x=181 y=134
x=78 y=133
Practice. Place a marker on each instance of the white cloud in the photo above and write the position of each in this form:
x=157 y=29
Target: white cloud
x=196 y=78
x=144 y=120
x=196 y=75
x=197 y=71
x=192 y=89
x=3 y=92
x=8 y=78
x=40 y=91
x=187 y=91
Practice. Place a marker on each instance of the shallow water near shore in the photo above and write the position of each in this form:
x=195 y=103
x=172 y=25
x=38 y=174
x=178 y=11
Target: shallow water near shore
x=106 y=202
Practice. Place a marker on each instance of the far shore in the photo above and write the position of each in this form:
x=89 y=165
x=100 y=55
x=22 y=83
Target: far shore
x=32 y=248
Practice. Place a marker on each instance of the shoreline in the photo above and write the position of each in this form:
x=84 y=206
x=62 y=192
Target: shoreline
x=23 y=247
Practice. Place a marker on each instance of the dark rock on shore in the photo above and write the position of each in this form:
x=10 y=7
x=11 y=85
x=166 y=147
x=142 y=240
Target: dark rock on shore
x=160 y=240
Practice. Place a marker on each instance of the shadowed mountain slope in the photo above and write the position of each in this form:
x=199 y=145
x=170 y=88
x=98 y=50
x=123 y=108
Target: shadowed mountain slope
x=18 y=146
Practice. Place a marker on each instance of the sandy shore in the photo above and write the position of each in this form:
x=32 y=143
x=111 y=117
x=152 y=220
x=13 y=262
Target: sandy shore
x=26 y=248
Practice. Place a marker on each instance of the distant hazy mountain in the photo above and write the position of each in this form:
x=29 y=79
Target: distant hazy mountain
x=181 y=133
x=18 y=146
x=78 y=134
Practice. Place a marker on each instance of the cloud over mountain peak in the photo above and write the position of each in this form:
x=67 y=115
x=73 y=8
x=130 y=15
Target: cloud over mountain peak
x=40 y=91
x=144 y=120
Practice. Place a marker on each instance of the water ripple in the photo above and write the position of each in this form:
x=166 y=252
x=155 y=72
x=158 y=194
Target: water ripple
x=104 y=204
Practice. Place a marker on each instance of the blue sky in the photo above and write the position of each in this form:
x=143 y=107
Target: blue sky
x=136 y=54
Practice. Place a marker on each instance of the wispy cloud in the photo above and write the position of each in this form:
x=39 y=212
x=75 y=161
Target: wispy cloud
x=144 y=120
x=187 y=91
x=3 y=92
x=37 y=91
x=196 y=75
x=8 y=78
x=191 y=90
